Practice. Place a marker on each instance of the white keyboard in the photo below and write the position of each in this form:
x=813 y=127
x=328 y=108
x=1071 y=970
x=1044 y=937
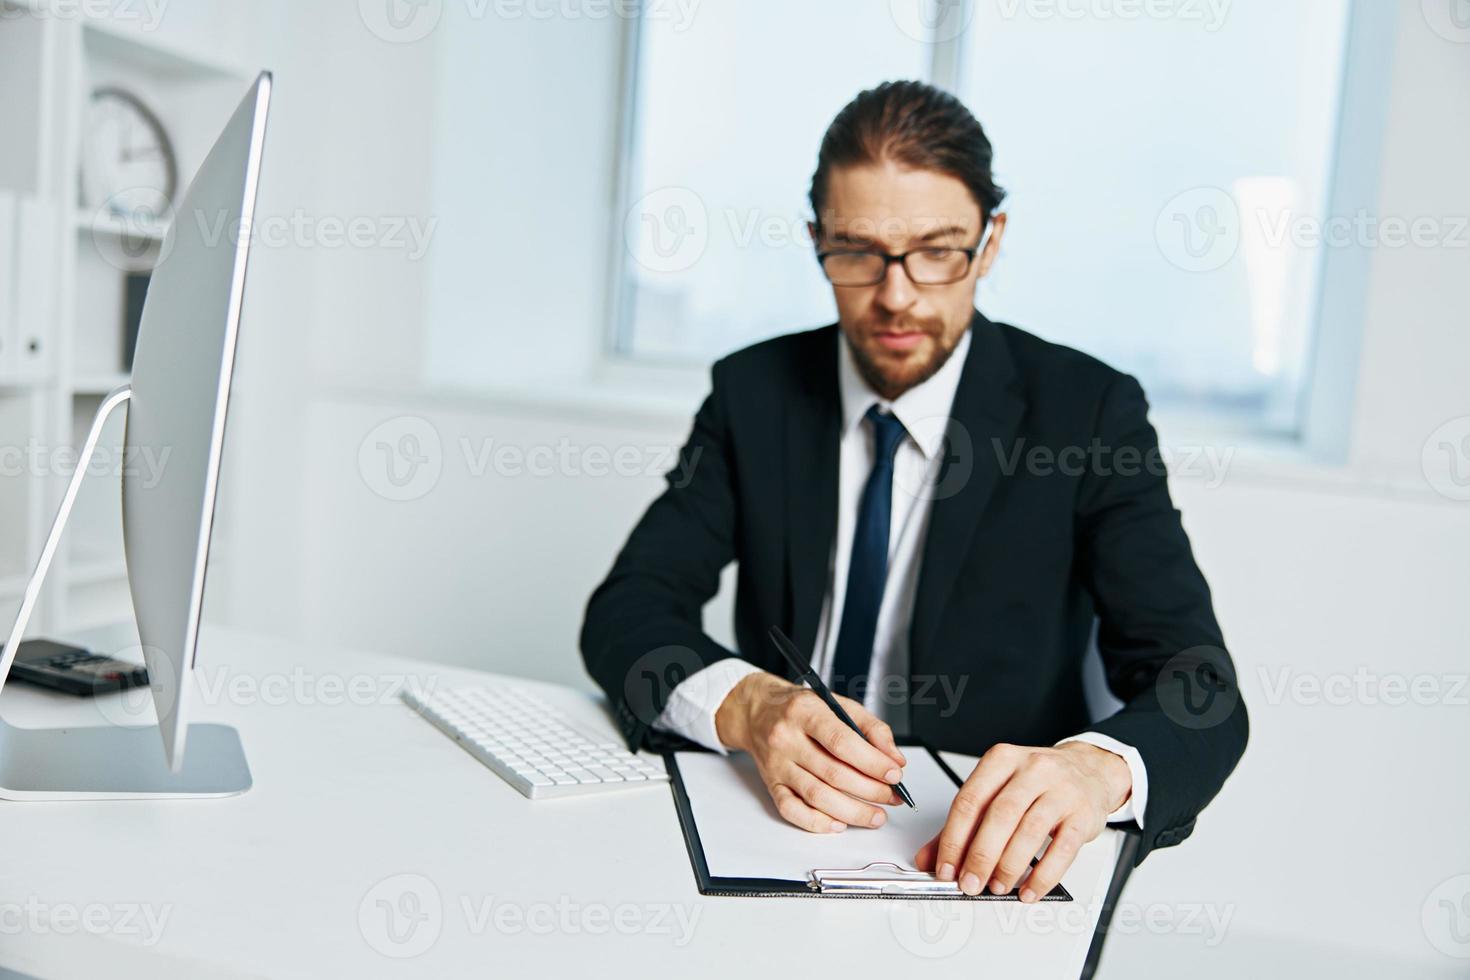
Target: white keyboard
x=530 y=744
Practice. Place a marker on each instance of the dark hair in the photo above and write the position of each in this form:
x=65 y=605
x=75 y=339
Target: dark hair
x=914 y=124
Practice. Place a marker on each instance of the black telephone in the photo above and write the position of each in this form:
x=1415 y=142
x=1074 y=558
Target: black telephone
x=74 y=670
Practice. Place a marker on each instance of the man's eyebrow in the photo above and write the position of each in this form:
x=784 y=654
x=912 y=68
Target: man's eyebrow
x=946 y=231
x=858 y=238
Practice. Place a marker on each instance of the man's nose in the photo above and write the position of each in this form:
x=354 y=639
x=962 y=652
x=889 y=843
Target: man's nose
x=896 y=293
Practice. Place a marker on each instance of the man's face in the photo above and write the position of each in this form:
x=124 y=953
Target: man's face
x=902 y=333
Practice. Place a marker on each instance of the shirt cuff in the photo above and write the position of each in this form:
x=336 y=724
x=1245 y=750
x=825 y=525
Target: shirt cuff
x=1137 y=803
x=690 y=710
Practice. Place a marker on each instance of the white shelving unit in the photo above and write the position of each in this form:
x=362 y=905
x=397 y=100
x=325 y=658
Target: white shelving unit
x=63 y=272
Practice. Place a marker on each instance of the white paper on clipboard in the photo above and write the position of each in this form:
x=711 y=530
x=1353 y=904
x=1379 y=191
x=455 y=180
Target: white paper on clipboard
x=744 y=837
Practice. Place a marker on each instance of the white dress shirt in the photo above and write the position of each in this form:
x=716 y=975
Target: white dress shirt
x=924 y=411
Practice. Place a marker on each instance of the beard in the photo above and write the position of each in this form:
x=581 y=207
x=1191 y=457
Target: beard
x=890 y=373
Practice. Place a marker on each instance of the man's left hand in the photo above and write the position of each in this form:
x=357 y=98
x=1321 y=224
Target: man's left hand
x=1017 y=797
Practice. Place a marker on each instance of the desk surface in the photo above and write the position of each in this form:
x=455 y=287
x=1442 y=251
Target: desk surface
x=371 y=845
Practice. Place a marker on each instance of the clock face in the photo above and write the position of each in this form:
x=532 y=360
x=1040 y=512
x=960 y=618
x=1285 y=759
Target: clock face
x=128 y=163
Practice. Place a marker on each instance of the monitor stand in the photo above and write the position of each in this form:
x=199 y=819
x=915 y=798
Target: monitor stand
x=106 y=762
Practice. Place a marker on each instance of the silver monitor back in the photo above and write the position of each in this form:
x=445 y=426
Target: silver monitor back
x=180 y=392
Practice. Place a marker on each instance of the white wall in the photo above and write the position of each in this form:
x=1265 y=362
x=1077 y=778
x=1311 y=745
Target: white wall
x=1341 y=819
x=349 y=137
x=1416 y=342
x=492 y=564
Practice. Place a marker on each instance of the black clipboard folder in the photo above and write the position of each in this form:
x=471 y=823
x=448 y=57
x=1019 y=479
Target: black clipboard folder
x=878 y=880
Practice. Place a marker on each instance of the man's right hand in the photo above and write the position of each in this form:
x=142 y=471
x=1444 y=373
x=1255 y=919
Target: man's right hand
x=821 y=774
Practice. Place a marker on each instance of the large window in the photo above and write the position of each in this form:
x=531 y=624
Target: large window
x=1168 y=167
x=728 y=109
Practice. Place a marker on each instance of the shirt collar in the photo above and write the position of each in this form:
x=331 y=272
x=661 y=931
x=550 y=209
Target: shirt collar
x=924 y=409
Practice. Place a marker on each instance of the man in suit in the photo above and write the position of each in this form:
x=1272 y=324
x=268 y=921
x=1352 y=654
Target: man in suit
x=940 y=508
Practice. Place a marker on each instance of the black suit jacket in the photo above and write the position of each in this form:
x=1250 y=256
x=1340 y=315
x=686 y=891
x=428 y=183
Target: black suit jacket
x=1051 y=513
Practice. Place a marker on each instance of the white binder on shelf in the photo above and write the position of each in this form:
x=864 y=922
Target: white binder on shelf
x=36 y=264
x=9 y=289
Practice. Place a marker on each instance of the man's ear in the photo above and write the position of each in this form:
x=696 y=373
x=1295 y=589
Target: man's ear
x=992 y=244
x=813 y=234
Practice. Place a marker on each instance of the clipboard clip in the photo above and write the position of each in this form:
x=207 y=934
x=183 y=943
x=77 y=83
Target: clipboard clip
x=878 y=878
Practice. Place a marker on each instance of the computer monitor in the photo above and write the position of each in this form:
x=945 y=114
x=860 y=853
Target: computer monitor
x=177 y=401
x=180 y=391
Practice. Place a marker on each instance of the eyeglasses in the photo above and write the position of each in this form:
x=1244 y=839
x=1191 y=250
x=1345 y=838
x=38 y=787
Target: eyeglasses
x=925 y=266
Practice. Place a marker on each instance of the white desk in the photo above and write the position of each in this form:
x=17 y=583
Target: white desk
x=359 y=802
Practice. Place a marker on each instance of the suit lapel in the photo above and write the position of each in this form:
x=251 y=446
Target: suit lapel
x=813 y=432
x=987 y=412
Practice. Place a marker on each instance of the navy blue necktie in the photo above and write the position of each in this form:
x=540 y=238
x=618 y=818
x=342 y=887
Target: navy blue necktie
x=867 y=570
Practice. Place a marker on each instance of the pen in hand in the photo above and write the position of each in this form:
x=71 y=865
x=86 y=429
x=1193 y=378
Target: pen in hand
x=804 y=672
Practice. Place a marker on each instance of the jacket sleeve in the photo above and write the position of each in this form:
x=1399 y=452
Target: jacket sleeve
x=1161 y=647
x=643 y=634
